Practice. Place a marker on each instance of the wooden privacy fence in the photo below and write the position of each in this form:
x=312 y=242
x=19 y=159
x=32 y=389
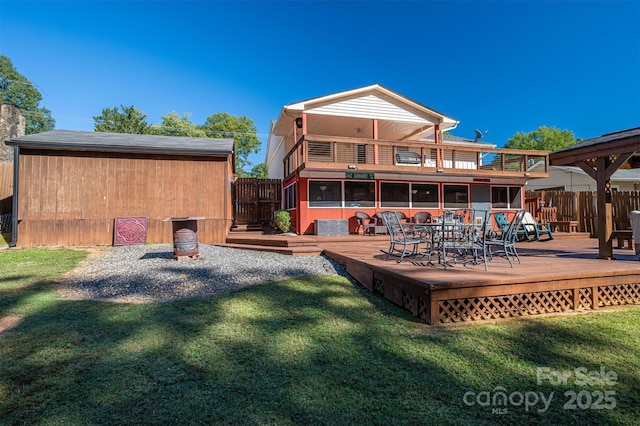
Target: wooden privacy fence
x=255 y=200
x=582 y=207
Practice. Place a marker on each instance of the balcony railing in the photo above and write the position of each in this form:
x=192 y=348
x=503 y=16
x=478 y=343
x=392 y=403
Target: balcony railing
x=330 y=152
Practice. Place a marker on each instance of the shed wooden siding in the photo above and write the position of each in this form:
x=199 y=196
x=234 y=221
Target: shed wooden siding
x=6 y=186
x=71 y=198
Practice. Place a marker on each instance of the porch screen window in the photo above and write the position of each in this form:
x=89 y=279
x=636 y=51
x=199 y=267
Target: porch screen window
x=325 y=193
x=290 y=197
x=424 y=195
x=456 y=196
x=394 y=194
x=359 y=194
x=506 y=197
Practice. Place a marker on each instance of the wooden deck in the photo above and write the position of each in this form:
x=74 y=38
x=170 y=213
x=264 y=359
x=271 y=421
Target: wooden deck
x=561 y=275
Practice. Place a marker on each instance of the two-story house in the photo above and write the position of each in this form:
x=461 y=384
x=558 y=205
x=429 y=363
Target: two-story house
x=372 y=149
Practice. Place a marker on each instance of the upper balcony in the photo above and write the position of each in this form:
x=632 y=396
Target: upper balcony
x=314 y=152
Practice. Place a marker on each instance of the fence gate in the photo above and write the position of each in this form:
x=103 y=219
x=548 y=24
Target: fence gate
x=255 y=200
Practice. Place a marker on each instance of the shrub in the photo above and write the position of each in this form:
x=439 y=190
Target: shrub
x=282 y=220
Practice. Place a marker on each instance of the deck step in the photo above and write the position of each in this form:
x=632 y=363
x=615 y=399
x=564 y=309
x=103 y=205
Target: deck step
x=247 y=228
x=291 y=251
x=271 y=240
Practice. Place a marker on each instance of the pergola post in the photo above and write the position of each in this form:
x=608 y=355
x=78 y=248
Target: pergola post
x=605 y=215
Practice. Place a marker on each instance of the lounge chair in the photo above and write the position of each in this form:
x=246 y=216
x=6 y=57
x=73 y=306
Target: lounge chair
x=530 y=230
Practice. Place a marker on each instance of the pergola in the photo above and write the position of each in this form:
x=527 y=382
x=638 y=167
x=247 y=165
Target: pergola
x=600 y=157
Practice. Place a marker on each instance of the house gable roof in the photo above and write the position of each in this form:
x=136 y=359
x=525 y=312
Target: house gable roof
x=123 y=142
x=370 y=102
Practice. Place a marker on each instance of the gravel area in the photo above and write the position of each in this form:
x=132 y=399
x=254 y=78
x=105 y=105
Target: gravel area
x=143 y=273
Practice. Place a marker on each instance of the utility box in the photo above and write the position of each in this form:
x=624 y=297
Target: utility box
x=332 y=227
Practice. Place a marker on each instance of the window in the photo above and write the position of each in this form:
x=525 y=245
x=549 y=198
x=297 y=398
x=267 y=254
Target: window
x=359 y=194
x=325 y=193
x=394 y=194
x=506 y=197
x=424 y=195
x=290 y=197
x=456 y=196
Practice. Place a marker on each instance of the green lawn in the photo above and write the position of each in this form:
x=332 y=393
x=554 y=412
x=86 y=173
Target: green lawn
x=302 y=351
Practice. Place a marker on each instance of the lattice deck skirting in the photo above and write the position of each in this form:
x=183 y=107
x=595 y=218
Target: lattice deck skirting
x=535 y=303
x=469 y=300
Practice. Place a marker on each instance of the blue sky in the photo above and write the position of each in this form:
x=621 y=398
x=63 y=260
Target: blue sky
x=499 y=66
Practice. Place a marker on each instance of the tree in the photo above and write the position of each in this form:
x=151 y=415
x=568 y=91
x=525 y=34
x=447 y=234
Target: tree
x=221 y=125
x=175 y=124
x=19 y=91
x=130 y=120
x=241 y=130
x=544 y=139
x=259 y=171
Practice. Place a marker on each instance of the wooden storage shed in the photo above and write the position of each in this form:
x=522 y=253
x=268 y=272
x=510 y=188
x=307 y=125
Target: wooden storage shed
x=70 y=186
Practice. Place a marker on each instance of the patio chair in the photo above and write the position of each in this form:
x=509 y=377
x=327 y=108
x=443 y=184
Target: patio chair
x=366 y=222
x=378 y=216
x=422 y=217
x=505 y=242
x=404 y=217
x=530 y=230
x=501 y=221
x=402 y=242
x=464 y=235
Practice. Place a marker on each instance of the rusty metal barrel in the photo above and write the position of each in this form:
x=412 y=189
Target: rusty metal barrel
x=185 y=237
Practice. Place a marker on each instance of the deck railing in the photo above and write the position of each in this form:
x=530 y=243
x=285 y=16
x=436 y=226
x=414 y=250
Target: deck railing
x=330 y=152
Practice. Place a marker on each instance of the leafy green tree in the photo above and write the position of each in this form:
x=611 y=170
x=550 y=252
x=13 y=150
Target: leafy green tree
x=260 y=171
x=175 y=124
x=544 y=139
x=16 y=89
x=221 y=125
x=130 y=120
x=241 y=130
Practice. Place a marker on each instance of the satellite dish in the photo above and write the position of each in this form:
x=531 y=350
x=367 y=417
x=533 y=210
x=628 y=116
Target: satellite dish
x=478 y=134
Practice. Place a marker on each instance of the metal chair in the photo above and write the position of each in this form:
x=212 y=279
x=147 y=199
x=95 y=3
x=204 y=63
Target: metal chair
x=506 y=241
x=462 y=233
x=403 y=243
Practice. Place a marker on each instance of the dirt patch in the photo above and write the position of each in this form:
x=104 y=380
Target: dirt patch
x=8 y=322
x=94 y=251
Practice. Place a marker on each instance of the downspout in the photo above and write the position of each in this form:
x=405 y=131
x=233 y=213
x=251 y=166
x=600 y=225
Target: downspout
x=14 y=202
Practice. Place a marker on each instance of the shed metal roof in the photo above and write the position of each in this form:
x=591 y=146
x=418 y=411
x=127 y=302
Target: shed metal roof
x=123 y=142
